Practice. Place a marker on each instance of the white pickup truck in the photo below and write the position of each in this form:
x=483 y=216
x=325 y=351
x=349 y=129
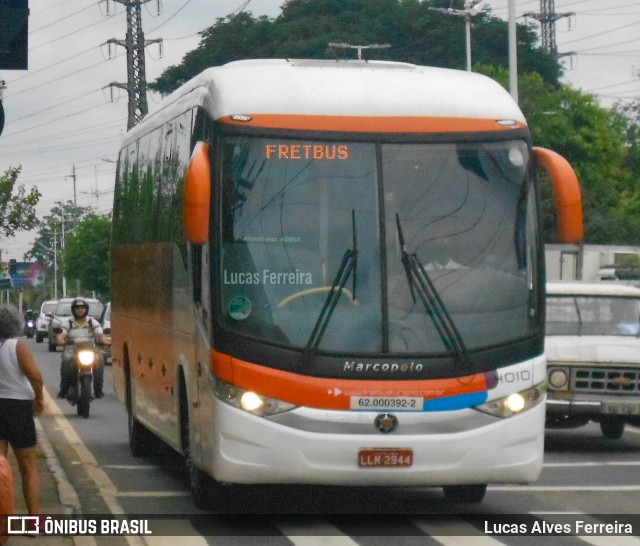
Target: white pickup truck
x=592 y=346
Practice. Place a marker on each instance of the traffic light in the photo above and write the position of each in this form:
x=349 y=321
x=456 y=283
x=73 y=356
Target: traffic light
x=14 y=27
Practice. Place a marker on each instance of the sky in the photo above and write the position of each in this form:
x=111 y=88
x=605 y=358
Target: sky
x=62 y=117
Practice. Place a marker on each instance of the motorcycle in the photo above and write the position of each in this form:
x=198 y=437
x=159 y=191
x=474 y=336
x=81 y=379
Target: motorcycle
x=84 y=357
x=29 y=328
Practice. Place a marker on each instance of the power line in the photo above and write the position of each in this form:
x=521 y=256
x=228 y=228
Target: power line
x=59 y=20
x=54 y=106
x=66 y=35
x=57 y=79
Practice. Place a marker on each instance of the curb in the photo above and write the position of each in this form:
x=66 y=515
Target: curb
x=67 y=494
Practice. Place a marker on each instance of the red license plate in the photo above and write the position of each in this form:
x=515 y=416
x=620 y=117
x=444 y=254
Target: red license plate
x=385 y=457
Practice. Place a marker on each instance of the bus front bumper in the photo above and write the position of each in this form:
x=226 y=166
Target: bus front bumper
x=250 y=449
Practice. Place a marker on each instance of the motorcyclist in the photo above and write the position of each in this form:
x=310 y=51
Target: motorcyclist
x=29 y=316
x=80 y=327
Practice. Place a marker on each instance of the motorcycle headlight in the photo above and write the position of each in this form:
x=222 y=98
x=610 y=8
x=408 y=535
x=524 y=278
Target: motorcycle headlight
x=514 y=403
x=86 y=358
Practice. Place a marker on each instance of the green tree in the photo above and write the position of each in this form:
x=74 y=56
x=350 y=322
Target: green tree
x=17 y=207
x=52 y=232
x=603 y=145
x=305 y=28
x=589 y=137
x=86 y=255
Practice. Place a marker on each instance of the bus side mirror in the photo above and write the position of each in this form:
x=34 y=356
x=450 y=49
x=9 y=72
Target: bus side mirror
x=197 y=195
x=566 y=193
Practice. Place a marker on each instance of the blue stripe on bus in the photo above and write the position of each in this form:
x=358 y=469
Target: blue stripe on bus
x=451 y=403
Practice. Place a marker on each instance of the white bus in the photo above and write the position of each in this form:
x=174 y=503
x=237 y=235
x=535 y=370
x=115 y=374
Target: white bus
x=331 y=273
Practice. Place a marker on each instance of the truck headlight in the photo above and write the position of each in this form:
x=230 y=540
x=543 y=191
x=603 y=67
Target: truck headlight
x=514 y=403
x=558 y=377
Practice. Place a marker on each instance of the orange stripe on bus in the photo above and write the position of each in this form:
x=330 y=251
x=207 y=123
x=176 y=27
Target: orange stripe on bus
x=371 y=124
x=324 y=393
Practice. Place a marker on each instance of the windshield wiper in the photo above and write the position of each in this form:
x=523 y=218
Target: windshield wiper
x=580 y=323
x=421 y=284
x=347 y=267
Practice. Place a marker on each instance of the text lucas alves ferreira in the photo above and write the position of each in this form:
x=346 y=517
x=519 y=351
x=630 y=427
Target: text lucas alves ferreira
x=541 y=527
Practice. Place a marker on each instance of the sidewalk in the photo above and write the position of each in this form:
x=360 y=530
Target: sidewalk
x=53 y=487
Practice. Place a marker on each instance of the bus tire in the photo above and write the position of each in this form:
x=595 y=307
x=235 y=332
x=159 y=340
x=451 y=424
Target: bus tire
x=612 y=427
x=205 y=491
x=465 y=494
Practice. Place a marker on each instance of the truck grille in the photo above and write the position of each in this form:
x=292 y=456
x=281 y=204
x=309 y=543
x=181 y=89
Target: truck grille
x=604 y=380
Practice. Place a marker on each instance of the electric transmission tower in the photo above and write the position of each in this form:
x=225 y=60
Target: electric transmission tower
x=134 y=44
x=547 y=18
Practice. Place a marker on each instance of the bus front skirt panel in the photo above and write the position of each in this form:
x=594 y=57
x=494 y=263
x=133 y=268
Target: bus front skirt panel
x=251 y=449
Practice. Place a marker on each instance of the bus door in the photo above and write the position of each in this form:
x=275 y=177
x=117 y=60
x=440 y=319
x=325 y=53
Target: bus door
x=200 y=404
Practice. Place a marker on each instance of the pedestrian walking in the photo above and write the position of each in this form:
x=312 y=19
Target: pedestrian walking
x=20 y=400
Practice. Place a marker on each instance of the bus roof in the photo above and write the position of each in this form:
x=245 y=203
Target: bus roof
x=346 y=89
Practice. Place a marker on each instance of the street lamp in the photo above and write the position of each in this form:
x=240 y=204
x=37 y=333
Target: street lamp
x=513 y=52
x=467 y=13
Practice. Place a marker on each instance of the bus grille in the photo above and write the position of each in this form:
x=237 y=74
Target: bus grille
x=605 y=380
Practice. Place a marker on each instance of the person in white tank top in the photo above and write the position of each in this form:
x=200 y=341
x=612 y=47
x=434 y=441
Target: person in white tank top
x=20 y=400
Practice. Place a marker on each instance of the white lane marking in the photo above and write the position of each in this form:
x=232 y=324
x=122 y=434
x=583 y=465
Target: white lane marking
x=108 y=490
x=564 y=488
x=454 y=532
x=591 y=463
x=610 y=540
x=158 y=494
x=131 y=466
x=312 y=533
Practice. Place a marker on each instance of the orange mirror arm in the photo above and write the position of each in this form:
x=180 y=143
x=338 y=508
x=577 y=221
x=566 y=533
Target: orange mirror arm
x=566 y=193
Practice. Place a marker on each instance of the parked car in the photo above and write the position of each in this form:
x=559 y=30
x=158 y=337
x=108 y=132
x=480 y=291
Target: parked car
x=105 y=320
x=593 y=355
x=62 y=313
x=42 y=322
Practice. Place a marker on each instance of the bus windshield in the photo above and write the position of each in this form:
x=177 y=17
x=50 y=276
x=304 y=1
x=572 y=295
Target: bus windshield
x=292 y=210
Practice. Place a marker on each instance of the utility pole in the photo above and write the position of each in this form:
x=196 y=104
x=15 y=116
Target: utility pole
x=134 y=44
x=513 y=51
x=547 y=18
x=73 y=176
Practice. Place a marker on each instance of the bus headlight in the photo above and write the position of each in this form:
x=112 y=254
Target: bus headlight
x=515 y=403
x=249 y=401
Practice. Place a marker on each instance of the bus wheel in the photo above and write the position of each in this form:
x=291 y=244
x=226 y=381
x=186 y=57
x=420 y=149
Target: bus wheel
x=612 y=427
x=200 y=484
x=465 y=494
